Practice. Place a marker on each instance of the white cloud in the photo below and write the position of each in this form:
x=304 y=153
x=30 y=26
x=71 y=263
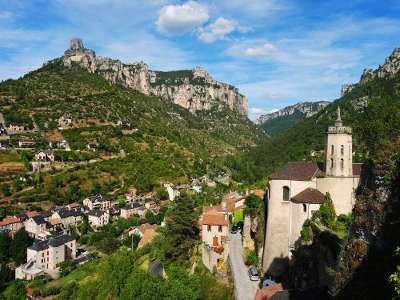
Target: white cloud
x=178 y=19
x=256 y=112
x=5 y=15
x=264 y=50
x=217 y=30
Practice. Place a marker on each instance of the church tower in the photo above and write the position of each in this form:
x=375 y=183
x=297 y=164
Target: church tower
x=338 y=150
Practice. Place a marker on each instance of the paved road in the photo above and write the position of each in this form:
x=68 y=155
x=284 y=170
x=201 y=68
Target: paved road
x=244 y=288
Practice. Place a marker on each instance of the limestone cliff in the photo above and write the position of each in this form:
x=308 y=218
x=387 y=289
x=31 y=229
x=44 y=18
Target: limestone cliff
x=306 y=108
x=193 y=89
x=387 y=70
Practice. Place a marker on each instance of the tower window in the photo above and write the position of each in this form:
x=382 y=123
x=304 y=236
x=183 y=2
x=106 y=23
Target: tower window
x=342 y=150
x=342 y=164
x=286 y=193
x=332 y=149
x=304 y=207
x=331 y=162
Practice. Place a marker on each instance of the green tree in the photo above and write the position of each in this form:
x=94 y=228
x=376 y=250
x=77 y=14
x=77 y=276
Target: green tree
x=15 y=291
x=181 y=230
x=252 y=203
x=394 y=278
x=5 y=189
x=327 y=212
x=66 y=267
x=18 y=246
x=5 y=242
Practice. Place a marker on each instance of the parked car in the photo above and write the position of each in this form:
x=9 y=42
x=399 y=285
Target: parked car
x=267 y=282
x=234 y=228
x=253 y=274
x=240 y=225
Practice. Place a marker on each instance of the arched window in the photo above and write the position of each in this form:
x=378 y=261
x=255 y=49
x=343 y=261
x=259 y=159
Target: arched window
x=286 y=193
x=342 y=150
x=331 y=162
x=342 y=164
x=332 y=149
x=304 y=207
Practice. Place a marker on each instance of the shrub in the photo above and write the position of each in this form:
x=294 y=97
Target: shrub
x=252 y=259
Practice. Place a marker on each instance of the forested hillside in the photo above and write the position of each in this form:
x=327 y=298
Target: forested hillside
x=163 y=142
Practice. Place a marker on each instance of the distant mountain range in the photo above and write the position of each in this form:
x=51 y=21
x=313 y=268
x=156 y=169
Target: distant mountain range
x=285 y=118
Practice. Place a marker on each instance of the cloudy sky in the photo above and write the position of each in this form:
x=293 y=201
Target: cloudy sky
x=278 y=52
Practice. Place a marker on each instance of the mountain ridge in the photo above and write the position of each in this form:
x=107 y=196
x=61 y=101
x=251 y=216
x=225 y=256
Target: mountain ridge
x=193 y=89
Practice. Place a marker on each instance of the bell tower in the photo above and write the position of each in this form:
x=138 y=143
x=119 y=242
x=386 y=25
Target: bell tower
x=339 y=150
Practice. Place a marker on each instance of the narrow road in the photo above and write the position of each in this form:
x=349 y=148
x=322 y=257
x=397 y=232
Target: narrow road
x=245 y=289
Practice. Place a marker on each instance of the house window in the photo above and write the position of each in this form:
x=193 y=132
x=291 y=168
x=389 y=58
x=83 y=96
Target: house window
x=220 y=228
x=304 y=207
x=332 y=149
x=286 y=193
x=331 y=162
x=342 y=150
x=208 y=227
x=342 y=164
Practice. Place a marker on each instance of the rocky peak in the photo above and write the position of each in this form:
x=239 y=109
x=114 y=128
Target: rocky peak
x=306 y=108
x=388 y=70
x=193 y=89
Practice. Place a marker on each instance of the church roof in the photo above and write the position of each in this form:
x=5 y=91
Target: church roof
x=299 y=171
x=305 y=171
x=309 y=195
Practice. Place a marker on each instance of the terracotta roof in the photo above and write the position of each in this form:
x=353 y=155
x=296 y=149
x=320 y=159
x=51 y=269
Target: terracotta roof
x=73 y=205
x=259 y=193
x=147 y=237
x=9 y=220
x=309 y=195
x=357 y=169
x=267 y=292
x=299 y=171
x=211 y=209
x=215 y=219
x=31 y=214
x=55 y=221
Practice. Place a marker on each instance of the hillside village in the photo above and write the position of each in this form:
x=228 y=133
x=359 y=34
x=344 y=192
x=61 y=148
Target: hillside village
x=111 y=187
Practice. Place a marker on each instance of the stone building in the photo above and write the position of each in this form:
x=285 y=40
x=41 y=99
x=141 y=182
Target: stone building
x=299 y=188
x=215 y=236
x=97 y=202
x=46 y=256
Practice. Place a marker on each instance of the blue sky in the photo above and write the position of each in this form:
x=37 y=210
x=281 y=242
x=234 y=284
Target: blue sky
x=277 y=52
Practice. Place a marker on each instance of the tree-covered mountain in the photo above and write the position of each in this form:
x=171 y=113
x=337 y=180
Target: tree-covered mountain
x=163 y=142
x=277 y=122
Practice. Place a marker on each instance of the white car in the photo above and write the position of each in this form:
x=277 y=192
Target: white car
x=253 y=274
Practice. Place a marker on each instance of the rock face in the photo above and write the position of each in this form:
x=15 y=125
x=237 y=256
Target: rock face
x=307 y=108
x=193 y=89
x=388 y=70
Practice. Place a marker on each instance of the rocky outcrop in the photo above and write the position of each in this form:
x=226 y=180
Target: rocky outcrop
x=388 y=70
x=306 y=108
x=193 y=89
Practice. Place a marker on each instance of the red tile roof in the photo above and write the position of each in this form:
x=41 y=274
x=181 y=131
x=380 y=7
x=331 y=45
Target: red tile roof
x=267 y=292
x=9 y=220
x=31 y=214
x=217 y=219
x=55 y=221
x=309 y=195
x=299 y=171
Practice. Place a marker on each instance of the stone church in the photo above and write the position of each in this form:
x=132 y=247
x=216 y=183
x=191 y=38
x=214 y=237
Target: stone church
x=299 y=188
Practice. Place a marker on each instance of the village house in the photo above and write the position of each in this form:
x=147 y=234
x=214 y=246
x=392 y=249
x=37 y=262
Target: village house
x=131 y=195
x=35 y=225
x=98 y=218
x=65 y=120
x=147 y=237
x=44 y=155
x=4 y=141
x=299 y=188
x=140 y=230
x=172 y=192
x=60 y=144
x=10 y=224
x=97 y=202
x=214 y=235
x=68 y=216
x=46 y=256
x=130 y=209
x=16 y=127
x=26 y=143
x=123 y=123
